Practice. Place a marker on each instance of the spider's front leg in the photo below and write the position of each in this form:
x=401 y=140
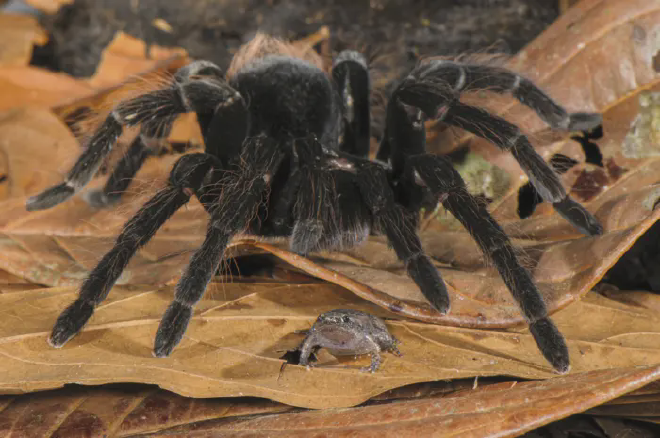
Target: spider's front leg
x=420 y=171
x=437 y=174
x=188 y=174
x=197 y=87
x=241 y=191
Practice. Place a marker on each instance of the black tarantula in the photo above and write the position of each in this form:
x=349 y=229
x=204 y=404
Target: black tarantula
x=286 y=154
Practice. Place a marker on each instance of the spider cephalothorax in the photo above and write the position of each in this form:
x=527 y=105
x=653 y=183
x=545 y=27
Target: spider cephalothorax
x=286 y=154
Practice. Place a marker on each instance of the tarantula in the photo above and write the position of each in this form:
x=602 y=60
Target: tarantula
x=286 y=154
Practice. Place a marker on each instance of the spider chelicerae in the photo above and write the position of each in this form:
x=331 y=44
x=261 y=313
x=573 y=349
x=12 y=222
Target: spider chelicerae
x=286 y=154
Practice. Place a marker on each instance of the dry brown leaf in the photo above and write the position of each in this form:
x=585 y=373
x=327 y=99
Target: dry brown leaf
x=129 y=410
x=48 y=6
x=641 y=408
x=24 y=135
x=31 y=86
x=18 y=34
x=590 y=57
x=126 y=56
x=504 y=410
x=119 y=411
x=639 y=298
x=10 y=283
x=234 y=344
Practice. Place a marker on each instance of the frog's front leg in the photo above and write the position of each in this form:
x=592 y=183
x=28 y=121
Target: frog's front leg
x=306 y=349
x=394 y=348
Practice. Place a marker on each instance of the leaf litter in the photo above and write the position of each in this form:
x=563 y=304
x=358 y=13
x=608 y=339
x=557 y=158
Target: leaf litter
x=235 y=342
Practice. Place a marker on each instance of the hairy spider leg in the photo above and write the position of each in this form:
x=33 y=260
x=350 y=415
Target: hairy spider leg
x=440 y=177
x=435 y=87
x=473 y=77
x=144 y=145
x=196 y=87
x=406 y=136
x=243 y=187
x=351 y=77
x=400 y=228
x=187 y=174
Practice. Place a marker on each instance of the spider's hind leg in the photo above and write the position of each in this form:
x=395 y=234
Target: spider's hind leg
x=197 y=87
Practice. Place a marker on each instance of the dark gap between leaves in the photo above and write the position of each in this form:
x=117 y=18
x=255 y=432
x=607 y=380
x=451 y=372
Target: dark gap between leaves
x=591 y=150
x=638 y=269
x=528 y=197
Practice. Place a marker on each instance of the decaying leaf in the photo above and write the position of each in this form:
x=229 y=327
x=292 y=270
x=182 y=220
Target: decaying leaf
x=638 y=298
x=115 y=411
x=642 y=404
x=597 y=57
x=590 y=59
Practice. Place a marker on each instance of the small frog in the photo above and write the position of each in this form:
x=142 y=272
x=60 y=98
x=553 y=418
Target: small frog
x=345 y=332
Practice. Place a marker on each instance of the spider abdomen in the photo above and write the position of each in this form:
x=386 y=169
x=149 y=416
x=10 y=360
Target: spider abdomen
x=287 y=98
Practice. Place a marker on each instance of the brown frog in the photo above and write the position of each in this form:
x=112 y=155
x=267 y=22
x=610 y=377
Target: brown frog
x=346 y=332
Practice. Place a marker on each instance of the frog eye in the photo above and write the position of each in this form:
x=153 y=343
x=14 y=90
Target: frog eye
x=345 y=319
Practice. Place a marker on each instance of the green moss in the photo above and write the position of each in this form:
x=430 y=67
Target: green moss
x=643 y=139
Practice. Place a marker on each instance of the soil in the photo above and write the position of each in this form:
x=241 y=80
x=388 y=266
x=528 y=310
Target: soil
x=214 y=29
